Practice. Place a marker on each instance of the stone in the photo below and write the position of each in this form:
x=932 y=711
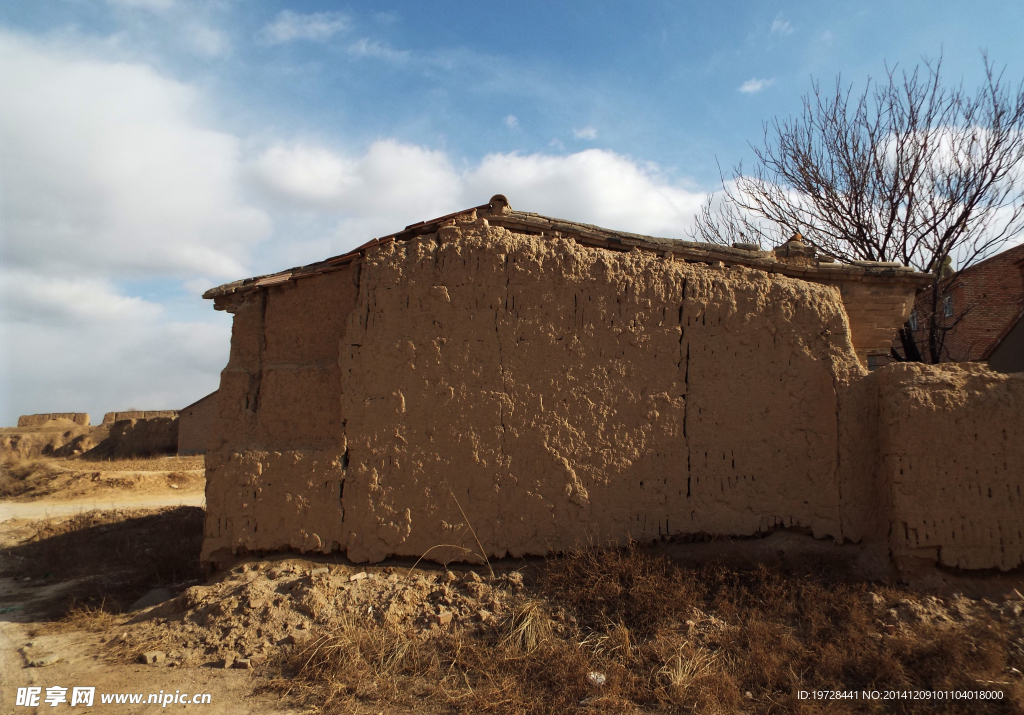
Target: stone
x=227 y=662
x=152 y=657
x=596 y=679
x=243 y=664
x=444 y=618
x=319 y=570
x=357 y=577
x=43 y=661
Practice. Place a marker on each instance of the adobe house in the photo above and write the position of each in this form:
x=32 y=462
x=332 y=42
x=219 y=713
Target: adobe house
x=507 y=383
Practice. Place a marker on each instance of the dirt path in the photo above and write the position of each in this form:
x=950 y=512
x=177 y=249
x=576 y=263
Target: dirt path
x=74 y=656
x=43 y=508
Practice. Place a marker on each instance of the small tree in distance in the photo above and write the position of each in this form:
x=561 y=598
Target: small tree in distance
x=908 y=171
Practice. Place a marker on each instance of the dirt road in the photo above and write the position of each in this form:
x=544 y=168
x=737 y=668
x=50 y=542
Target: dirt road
x=42 y=508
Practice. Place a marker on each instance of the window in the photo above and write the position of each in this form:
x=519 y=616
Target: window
x=913 y=321
x=947 y=306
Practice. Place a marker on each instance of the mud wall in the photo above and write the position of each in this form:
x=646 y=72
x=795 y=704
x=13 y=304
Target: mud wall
x=952 y=455
x=137 y=438
x=196 y=425
x=547 y=394
x=112 y=417
x=79 y=418
x=275 y=465
x=552 y=393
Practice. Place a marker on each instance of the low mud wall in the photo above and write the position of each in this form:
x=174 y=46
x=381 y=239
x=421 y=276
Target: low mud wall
x=478 y=389
x=79 y=418
x=952 y=457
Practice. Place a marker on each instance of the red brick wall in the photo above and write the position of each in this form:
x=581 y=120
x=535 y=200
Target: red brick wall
x=991 y=293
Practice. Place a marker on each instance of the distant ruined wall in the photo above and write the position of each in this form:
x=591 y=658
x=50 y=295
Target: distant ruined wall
x=137 y=438
x=112 y=417
x=549 y=394
x=953 y=459
x=79 y=418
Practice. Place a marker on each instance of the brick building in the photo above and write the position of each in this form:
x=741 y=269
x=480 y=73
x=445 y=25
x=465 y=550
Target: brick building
x=981 y=307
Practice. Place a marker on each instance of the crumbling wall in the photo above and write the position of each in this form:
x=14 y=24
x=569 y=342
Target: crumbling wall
x=137 y=438
x=533 y=393
x=952 y=456
x=58 y=437
x=561 y=394
x=112 y=417
x=275 y=466
x=79 y=418
x=550 y=392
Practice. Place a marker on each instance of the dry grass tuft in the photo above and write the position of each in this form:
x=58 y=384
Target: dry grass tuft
x=666 y=639
x=23 y=476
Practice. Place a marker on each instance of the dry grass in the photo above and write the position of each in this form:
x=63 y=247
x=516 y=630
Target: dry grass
x=667 y=639
x=27 y=476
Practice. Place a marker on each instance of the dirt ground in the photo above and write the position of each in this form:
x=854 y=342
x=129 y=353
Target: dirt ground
x=653 y=630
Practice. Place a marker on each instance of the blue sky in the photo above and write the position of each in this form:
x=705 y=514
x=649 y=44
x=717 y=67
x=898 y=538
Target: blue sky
x=150 y=149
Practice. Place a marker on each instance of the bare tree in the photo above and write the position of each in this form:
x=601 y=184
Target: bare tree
x=909 y=171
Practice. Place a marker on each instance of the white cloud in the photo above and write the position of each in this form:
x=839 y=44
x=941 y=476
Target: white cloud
x=109 y=173
x=511 y=121
x=108 y=166
x=365 y=47
x=593 y=186
x=781 y=27
x=111 y=365
x=755 y=85
x=390 y=180
x=585 y=133
x=76 y=300
x=316 y=27
x=395 y=184
x=207 y=42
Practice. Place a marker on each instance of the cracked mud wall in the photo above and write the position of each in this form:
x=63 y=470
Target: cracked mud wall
x=559 y=394
x=275 y=469
x=953 y=458
x=548 y=394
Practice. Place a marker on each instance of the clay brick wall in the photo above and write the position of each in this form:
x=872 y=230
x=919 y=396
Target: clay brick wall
x=876 y=311
x=991 y=291
x=952 y=457
x=79 y=418
x=196 y=425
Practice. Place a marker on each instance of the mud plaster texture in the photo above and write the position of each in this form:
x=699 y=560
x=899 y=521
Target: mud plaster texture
x=543 y=392
x=953 y=459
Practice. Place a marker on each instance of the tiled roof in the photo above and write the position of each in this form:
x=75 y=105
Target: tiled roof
x=499 y=213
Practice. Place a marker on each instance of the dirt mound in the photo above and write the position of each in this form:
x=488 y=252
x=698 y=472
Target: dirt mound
x=59 y=438
x=261 y=606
